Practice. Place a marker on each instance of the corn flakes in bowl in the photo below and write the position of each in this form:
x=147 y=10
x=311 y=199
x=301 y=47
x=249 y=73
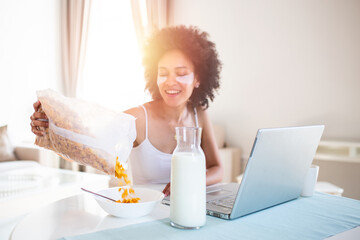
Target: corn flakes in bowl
x=129 y=205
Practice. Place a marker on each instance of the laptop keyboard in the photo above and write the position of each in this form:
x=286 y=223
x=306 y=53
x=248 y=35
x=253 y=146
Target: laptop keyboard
x=225 y=202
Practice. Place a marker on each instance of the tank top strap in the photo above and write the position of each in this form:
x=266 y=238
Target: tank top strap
x=146 y=122
x=196 y=118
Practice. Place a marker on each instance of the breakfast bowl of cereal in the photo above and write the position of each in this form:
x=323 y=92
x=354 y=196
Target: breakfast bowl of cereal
x=129 y=202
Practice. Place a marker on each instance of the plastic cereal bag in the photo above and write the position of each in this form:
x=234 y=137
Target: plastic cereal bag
x=85 y=132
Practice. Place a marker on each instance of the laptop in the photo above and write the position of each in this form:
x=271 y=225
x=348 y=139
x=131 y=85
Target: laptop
x=275 y=173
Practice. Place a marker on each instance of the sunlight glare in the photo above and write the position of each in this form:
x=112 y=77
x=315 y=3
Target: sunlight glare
x=113 y=74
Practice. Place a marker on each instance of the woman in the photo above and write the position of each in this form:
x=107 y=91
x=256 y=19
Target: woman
x=182 y=73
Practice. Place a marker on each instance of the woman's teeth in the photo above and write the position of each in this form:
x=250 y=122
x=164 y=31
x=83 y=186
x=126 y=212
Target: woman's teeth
x=172 y=91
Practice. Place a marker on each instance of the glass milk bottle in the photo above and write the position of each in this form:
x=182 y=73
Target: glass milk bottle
x=188 y=180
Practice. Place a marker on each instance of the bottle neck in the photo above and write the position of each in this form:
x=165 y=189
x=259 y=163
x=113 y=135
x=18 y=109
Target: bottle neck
x=188 y=138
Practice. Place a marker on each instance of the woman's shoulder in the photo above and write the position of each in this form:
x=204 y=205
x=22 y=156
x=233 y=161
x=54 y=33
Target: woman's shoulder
x=202 y=114
x=136 y=112
x=139 y=114
x=201 y=111
x=139 y=111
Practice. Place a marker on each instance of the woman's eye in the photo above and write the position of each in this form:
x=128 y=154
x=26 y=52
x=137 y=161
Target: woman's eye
x=181 y=74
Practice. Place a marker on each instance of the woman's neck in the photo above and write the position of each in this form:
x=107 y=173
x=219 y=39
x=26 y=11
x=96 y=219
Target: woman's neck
x=175 y=115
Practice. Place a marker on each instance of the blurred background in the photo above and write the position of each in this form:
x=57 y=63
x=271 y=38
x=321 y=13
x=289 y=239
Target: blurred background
x=285 y=63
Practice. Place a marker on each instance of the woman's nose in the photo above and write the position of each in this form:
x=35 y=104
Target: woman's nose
x=171 y=79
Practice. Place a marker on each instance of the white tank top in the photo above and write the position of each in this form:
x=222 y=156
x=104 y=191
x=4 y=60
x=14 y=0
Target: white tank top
x=148 y=164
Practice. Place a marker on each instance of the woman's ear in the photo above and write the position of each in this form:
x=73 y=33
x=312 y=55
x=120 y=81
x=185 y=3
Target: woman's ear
x=197 y=83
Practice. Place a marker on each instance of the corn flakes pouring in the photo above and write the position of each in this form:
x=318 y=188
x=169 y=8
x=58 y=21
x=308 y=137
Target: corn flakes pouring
x=120 y=173
x=85 y=132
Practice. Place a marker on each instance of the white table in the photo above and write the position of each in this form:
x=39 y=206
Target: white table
x=76 y=215
x=81 y=214
x=27 y=186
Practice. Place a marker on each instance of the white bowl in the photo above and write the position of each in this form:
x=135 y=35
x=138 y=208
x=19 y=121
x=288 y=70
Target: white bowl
x=149 y=198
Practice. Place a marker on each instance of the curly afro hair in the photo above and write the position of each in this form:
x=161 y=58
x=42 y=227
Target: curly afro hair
x=195 y=45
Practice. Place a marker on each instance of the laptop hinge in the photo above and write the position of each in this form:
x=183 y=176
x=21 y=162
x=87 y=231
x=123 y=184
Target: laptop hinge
x=217 y=214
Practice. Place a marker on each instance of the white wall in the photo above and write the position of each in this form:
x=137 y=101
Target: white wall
x=285 y=63
x=29 y=59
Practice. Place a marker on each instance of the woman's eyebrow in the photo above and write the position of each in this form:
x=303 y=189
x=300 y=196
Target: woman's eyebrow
x=162 y=69
x=181 y=67
x=176 y=68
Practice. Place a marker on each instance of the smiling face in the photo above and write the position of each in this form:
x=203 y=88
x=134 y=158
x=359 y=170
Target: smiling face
x=176 y=80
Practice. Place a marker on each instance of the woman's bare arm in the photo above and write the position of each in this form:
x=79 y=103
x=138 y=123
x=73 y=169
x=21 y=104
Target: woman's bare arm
x=214 y=166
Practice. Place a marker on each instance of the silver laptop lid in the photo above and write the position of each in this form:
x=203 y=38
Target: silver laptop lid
x=277 y=166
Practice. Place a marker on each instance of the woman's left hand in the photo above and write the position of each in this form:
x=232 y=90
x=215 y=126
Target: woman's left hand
x=166 y=190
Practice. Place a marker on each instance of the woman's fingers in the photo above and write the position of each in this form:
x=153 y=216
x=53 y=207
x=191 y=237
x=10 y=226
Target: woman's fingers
x=38 y=115
x=36 y=130
x=38 y=119
x=36 y=105
x=166 y=190
x=39 y=123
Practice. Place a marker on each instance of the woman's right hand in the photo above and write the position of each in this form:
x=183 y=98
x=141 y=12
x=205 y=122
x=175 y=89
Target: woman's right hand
x=38 y=119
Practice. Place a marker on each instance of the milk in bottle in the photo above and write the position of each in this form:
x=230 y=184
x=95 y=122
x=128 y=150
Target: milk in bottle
x=188 y=180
